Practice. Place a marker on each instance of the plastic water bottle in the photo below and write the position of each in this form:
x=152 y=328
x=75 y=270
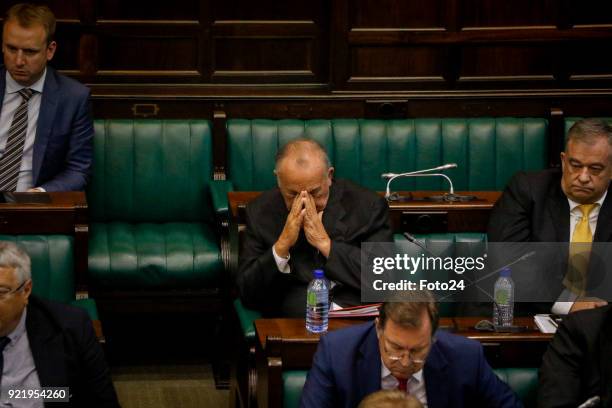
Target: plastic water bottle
x=317 y=303
x=503 y=308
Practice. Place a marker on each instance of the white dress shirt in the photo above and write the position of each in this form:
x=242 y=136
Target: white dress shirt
x=11 y=101
x=567 y=298
x=415 y=385
x=19 y=369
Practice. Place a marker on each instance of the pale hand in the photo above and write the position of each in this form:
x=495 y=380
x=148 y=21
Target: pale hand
x=314 y=229
x=292 y=227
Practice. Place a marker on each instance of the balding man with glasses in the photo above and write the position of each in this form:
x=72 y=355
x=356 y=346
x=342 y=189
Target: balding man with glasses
x=46 y=345
x=403 y=350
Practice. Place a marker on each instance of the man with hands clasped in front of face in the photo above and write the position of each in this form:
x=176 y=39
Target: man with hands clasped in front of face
x=310 y=221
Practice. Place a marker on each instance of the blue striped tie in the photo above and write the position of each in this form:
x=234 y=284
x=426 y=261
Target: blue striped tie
x=13 y=152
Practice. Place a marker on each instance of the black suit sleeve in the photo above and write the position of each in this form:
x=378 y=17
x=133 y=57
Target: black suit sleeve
x=561 y=373
x=257 y=272
x=344 y=261
x=96 y=386
x=510 y=219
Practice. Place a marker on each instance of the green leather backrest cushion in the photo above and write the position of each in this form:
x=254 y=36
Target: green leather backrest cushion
x=151 y=170
x=52 y=264
x=523 y=381
x=488 y=150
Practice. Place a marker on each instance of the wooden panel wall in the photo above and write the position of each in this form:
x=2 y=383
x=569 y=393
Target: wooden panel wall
x=343 y=45
x=328 y=57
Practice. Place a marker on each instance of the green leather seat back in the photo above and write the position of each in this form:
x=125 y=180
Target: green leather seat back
x=488 y=150
x=151 y=171
x=52 y=264
x=471 y=244
x=523 y=381
x=150 y=206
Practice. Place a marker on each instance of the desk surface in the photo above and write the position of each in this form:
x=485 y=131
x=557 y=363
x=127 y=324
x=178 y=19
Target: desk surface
x=485 y=200
x=294 y=330
x=57 y=200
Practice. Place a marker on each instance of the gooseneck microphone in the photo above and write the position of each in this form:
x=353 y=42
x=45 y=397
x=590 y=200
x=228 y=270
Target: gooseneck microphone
x=419 y=173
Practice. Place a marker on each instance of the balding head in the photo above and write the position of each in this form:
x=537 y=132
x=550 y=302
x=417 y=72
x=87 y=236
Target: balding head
x=303 y=165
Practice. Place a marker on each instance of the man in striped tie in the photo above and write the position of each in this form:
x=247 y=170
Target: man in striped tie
x=46 y=130
x=571 y=204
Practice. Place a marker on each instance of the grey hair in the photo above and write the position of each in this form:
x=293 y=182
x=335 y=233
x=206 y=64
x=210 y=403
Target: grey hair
x=302 y=144
x=587 y=130
x=12 y=256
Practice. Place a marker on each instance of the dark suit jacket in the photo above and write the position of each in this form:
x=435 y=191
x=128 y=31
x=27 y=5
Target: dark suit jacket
x=67 y=354
x=534 y=208
x=353 y=215
x=63 y=149
x=578 y=362
x=347 y=367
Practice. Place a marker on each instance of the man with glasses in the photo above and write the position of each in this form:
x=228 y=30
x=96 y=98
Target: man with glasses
x=403 y=350
x=46 y=344
x=570 y=204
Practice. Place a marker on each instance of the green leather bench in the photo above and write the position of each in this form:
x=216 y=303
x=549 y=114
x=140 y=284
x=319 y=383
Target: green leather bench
x=53 y=268
x=488 y=151
x=524 y=382
x=152 y=223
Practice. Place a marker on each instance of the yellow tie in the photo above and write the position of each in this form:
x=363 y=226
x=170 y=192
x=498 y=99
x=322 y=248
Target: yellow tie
x=582 y=232
x=578 y=264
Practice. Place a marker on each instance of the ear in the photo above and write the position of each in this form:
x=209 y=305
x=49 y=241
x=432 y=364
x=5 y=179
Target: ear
x=562 y=155
x=330 y=174
x=27 y=289
x=51 y=50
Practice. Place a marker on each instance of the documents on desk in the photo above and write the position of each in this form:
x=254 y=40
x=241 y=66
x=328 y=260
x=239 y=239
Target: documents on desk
x=546 y=323
x=370 y=310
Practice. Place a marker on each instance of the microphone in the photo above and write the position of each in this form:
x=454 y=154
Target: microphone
x=450 y=196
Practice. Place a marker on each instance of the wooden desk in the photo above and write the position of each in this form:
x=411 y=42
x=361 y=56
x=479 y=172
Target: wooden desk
x=284 y=344
x=64 y=213
x=418 y=215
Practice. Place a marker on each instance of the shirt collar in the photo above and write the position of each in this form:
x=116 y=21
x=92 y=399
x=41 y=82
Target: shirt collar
x=573 y=204
x=13 y=86
x=16 y=334
x=385 y=372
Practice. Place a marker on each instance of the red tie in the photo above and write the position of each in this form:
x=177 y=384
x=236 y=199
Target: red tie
x=402 y=384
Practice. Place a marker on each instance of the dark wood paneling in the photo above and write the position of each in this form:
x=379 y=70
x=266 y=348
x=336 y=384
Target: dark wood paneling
x=148 y=10
x=268 y=10
x=399 y=64
x=415 y=14
x=515 y=13
x=249 y=56
x=600 y=51
x=68 y=38
x=589 y=12
x=507 y=62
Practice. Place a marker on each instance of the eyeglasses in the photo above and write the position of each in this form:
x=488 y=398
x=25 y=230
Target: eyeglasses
x=4 y=293
x=415 y=357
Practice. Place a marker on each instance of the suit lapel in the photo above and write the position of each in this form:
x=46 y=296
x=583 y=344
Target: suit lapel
x=558 y=208
x=368 y=367
x=436 y=379
x=46 y=117
x=335 y=212
x=603 y=232
x=47 y=348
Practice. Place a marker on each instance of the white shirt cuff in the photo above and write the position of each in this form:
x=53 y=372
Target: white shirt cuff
x=564 y=303
x=281 y=263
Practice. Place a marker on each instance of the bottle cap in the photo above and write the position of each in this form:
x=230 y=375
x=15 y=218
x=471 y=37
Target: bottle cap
x=318 y=274
x=505 y=273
